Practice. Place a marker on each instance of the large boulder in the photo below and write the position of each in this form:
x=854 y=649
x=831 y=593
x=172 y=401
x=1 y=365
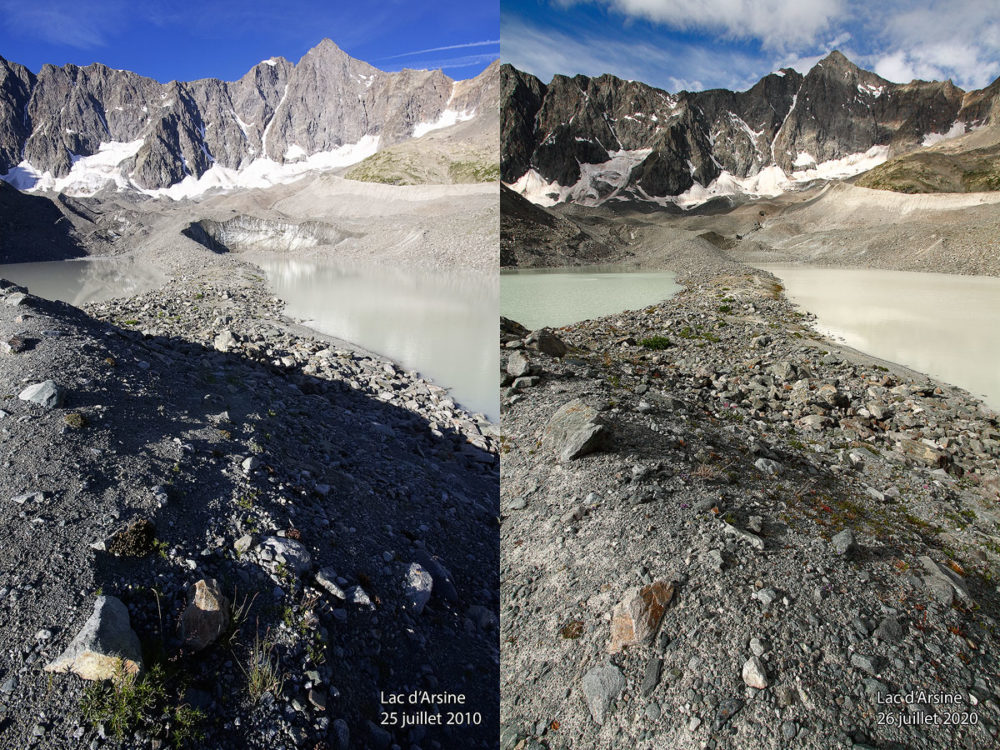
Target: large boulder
x=105 y=644
x=575 y=430
x=47 y=394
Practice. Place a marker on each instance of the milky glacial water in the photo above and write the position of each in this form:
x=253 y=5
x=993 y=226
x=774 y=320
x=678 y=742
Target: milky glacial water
x=558 y=297
x=80 y=282
x=939 y=324
x=443 y=325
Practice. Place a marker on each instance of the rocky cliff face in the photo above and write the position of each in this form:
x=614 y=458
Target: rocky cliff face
x=588 y=139
x=278 y=110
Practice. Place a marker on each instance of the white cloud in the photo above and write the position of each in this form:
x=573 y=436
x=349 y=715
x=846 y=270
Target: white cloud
x=899 y=39
x=777 y=24
x=895 y=67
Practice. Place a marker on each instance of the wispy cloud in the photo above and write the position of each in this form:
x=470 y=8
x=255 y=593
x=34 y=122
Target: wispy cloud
x=466 y=61
x=899 y=39
x=494 y=42
x=777 y=24
x=61 y=22
x=545 y=52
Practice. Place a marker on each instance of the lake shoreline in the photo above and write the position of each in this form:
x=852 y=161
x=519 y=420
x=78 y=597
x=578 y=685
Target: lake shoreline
x=731 y=446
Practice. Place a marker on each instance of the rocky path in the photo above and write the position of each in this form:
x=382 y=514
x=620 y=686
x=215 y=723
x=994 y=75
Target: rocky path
x=344 y=508
x=720 y=531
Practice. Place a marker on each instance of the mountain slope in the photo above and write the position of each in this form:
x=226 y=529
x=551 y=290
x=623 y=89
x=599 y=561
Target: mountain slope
x=80 y=129
x=588 y=140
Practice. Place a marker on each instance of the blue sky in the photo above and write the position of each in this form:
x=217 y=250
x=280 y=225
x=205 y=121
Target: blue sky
x=167 y=40
x=699 y=44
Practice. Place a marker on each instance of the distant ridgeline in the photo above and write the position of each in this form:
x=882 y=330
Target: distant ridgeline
x=78 y=130
x=589 y=140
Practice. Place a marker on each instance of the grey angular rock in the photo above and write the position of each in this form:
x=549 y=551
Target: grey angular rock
x=327 y=579
x=105 y=644
x=943 y=583
x=518 y=365
x=575 y=430
x=889 y=630
x=601 y=686
x=288 y=552
x=844 y=543
x=47 y=394
x=225 y=341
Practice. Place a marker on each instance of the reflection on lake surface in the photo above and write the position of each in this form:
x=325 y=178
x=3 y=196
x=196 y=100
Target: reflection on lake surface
x=80 y=282
x=443 y=325
x=558 y=297
x=940 y=324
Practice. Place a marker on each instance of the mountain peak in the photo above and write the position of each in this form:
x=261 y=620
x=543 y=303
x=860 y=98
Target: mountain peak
x=326 y=48
x=837 y=60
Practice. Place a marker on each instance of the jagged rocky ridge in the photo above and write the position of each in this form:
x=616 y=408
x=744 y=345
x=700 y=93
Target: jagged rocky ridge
x=631 y=139
x=278 y=110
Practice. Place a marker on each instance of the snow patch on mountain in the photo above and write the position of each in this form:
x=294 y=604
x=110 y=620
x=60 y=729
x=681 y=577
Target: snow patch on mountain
x=957 y=129
x=848 y=166
x=447 y=118
x=597 y=184
x=90 y=174
x=87 y=175
x=264 y=172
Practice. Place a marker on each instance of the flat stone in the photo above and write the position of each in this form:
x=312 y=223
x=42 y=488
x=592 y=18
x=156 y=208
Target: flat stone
x=28 y=497
x=766 y=596
x=889 y=630
x=768 y=466
x=418 y=588
x=728 y=708
x=105 y=644
x=752 y=539
x=47 y=394
x=651 y=676
x=601 y=686
x=327 y=579
x=206 y=616
x=754 y=674
x=637 y=617
x=574 y=431
x=943 y=584
x=867 y=663
x=357 y=595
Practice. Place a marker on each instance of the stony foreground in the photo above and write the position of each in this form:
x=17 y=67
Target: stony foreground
x=720 y=531
x=340 y=511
